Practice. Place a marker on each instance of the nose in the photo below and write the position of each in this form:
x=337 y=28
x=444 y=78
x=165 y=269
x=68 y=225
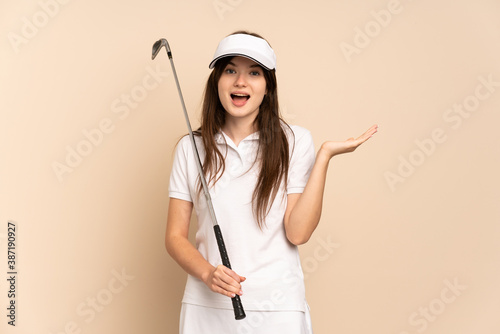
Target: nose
x=240 y=81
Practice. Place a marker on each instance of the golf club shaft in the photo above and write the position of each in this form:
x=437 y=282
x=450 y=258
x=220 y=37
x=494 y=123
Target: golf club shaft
x=195 y=148
x=239 y=312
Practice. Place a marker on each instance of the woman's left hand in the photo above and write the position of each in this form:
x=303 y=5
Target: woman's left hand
x=332 y=148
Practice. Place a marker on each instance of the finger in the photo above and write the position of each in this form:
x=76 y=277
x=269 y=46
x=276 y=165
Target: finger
x=226 y=283
x=223 y=292
x=227 y=277
x=231 y=273
x=229 y=289
x=222 y=269
x=367 y=135
x=229 y=281
x=371 y=130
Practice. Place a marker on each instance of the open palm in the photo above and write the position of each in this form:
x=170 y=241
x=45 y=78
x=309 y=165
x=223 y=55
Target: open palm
x=332 y=148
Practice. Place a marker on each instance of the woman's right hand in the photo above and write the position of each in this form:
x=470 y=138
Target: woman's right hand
x=224 y=281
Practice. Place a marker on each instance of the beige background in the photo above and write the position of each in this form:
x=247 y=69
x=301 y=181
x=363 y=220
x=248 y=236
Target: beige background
x=385 y=251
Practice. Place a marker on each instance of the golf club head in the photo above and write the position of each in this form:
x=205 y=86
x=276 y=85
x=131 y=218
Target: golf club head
x=157 y=47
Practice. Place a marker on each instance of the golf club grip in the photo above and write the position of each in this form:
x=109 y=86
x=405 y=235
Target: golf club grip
x=239 y=312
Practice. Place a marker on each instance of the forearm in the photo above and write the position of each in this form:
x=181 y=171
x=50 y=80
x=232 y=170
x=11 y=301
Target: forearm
x=188 y=257
x=219 y=279
x=306 y=213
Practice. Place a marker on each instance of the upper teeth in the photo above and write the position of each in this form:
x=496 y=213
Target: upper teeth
x=240 y=94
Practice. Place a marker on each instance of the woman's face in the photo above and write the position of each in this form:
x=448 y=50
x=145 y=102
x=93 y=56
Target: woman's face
x=242 y=87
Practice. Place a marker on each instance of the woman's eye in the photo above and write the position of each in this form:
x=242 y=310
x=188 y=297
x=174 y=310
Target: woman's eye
x=255 y=73
x=230 y=71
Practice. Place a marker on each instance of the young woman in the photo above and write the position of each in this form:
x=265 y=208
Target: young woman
x=267 y=188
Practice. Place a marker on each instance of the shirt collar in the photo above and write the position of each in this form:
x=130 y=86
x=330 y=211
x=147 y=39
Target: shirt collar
x=220 y=136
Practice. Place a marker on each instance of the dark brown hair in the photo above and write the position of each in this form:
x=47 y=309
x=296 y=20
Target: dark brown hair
x=273 y=152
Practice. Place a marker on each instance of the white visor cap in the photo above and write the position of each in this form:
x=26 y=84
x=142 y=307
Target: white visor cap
x=248 y=46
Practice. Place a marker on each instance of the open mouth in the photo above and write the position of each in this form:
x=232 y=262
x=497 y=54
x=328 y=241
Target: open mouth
x=240 y=97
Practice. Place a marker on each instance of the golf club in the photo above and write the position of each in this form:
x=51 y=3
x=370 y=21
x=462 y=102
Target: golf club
x=239 y=313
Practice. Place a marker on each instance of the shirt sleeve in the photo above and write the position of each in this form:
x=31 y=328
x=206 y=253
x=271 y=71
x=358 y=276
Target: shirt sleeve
x=302 y=160
x=179 y=181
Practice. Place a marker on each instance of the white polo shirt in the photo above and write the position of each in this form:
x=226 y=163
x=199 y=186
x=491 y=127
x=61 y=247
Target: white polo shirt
x=265 y=257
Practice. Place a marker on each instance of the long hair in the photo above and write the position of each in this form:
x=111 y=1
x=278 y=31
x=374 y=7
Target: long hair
x=273 y=151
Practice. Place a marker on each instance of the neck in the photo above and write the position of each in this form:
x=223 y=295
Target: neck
x=238 y=130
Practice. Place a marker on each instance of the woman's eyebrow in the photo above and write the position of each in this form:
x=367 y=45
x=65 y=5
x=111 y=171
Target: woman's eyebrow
x=251 y=66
